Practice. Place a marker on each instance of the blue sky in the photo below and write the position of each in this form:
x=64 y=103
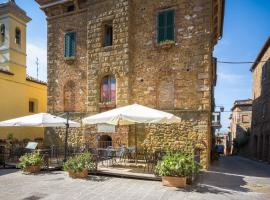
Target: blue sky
x=246 y=28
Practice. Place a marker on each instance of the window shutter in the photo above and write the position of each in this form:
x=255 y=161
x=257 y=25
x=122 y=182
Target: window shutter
x=67 y=44
x=72 y=44
x=161 y=26
x=170 y=25
x=165 y=25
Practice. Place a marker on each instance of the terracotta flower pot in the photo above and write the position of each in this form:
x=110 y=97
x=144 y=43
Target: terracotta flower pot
x=82 y=174
x=171 y=181
x=32 y=169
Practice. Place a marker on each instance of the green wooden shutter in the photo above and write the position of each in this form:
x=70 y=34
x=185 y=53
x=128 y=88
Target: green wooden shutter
x=161 y=26
x=67 y=44
x=72 y=44
x=165 y=26
x=170 y=25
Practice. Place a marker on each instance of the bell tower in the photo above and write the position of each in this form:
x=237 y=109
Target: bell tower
x=13 y=22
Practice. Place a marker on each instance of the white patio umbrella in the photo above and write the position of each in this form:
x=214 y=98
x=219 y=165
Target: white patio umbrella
x=132 y=114
x=39 y=120
x=42 y=120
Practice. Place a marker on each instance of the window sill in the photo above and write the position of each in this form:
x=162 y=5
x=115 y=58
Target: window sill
x=107 y=105
x=107 y=48
x=166 y=44
x=70 y=60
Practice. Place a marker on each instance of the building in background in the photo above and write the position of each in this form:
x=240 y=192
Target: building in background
x=20 y=94
x=240 y=118
x=260 y=140
x=111 y=53
x=222 y=143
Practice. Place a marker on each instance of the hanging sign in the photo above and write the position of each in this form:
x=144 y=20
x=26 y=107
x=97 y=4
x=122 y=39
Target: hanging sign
x=105 y=128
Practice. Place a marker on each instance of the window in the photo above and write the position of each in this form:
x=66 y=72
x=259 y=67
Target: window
x=108 y=34
x=70 y=8
x=3 y=32
x=70 y=44
x=31 y=106
x=165 y=25
x=18 y=36
x=108 y=89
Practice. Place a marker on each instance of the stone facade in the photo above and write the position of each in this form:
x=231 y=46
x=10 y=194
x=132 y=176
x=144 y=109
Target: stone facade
x=240 y=124
x=260 y=140
x=177 y=78
x=240 y=118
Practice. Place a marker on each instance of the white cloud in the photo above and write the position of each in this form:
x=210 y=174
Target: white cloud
x=35 y=51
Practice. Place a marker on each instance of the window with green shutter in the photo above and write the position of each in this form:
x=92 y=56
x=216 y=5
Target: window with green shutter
x=165 y=25
x=70 y=44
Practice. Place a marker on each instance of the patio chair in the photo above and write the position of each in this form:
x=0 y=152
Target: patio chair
x=121 y=154
x=111 y=155
x=150 y=161
x=131 y=153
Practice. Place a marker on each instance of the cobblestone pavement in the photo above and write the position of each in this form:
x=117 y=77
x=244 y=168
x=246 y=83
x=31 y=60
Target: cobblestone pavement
x=233 y=178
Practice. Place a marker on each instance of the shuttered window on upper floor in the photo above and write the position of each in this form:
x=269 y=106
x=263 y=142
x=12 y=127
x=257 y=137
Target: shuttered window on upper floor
x=165 y=25
x=70 y=44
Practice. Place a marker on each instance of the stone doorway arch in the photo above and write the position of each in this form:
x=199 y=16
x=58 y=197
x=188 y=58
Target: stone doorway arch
x=104 y=141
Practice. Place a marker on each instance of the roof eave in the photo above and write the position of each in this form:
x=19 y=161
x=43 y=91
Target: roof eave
x=260 y=55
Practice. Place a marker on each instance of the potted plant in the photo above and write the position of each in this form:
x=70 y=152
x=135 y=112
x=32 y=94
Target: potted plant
x=166 y=44
x=175 y=168
x=31 y=162
x=79 y=166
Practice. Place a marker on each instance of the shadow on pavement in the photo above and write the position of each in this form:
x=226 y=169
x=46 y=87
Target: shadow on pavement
x=7 y=171
x=226 y=183
x=241 y=166
x=98 y=178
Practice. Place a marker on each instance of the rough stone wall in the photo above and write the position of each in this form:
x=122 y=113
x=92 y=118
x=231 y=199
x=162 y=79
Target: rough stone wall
x=238 y=126
x=185 y=67
x=178 y=79
x=260 y=138
x=61 y=71
x=113 y=60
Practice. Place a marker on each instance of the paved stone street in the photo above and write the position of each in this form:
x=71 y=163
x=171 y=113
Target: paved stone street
x=232 y=178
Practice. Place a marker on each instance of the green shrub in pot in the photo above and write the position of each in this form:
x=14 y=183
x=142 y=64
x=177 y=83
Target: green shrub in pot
x=31 y=162
x=177 y=164
x=174 y=168
x=78 y=166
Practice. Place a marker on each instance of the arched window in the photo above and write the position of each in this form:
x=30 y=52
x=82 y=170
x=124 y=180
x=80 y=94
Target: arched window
x=3 y=32
x=17 y=36
x=108 y=88
x=69 y=97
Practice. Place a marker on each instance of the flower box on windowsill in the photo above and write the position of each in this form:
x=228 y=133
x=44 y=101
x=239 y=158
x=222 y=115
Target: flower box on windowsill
x=167 y=44
x=69 y=60
x=107 y=105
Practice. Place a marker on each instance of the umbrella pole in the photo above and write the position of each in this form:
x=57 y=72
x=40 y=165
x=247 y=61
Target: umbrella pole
x=136 y=145
x=66 y=137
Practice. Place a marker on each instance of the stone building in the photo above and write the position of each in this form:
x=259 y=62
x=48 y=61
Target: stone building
x=240 y=124
x=240 y=118
x=104 y=54
x=260 y=146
